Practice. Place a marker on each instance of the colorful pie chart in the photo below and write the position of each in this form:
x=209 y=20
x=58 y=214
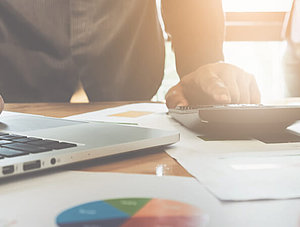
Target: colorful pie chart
x=133 y=212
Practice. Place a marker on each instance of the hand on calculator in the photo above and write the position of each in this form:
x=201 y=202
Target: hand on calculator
x=218 y=83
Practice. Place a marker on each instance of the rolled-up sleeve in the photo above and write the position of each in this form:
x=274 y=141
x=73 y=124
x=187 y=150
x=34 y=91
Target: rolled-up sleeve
x=196 y=28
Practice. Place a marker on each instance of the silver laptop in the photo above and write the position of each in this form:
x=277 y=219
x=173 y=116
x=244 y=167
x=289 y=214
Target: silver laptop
x=30 y=143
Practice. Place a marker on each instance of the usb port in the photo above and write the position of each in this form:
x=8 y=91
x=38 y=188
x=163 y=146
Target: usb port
x=8 y=169
x=32 y=165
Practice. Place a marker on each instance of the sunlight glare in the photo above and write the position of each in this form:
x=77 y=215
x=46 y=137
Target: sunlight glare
x=257 y=5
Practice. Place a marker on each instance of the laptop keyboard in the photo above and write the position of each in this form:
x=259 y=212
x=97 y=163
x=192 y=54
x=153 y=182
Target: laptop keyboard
x=12 y=145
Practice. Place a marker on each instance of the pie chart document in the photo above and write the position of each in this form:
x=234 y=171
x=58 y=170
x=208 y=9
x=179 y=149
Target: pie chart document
x=86 y=199
x=89 y=199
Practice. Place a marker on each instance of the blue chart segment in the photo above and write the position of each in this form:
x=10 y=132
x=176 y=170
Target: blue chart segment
x=128 y=212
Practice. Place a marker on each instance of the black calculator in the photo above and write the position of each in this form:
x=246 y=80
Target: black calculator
x=237 y=117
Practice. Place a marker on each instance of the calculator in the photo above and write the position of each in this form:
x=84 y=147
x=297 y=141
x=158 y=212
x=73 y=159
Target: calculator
x=237 y=117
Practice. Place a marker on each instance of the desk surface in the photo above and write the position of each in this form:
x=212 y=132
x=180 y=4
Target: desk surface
x=153 y=163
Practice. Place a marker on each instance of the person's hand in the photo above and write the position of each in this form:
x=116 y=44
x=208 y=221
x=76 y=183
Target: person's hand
x=212 y=84
x=1 y=104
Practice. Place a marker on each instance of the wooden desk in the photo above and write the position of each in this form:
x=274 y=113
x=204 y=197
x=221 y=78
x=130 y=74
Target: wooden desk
x=143 y=163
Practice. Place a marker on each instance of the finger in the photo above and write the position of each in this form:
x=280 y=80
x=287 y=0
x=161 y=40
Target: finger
x=243 y=81
x=214 y=87
x=175 y=97
x=255 y=97
x=229 y=74
x=233 y=88
x=174 y=100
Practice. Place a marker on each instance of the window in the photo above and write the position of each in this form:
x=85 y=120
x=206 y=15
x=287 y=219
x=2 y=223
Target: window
x=254 y=42
x=257 y=5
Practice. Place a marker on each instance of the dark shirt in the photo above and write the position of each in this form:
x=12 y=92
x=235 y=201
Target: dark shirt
x=114 y=47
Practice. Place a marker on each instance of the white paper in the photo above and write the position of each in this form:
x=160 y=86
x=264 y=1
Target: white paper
x=239 y=173
x=38 y=200
x=237 y=179
x=5 y=114
x=105 y=115
x=8 y=113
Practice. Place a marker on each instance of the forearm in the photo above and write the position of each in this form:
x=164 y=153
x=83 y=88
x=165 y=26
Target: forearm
x=196 y=28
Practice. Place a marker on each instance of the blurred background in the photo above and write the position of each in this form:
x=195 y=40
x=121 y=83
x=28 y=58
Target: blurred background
x=254 y=42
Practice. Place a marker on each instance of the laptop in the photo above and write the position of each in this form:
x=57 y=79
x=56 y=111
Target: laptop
x=31 y=143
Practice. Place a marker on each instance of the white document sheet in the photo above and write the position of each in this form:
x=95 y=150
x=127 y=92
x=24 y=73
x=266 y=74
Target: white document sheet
x=132 y=113
x=208 y=161
x=249 y=178
x=44 y=200
x=39 y=201
x=9 y=113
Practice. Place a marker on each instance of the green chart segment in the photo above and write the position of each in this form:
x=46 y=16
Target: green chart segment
x=128 y=206
x=139 y=212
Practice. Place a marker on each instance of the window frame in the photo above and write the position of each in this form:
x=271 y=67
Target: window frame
x=255 y=26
